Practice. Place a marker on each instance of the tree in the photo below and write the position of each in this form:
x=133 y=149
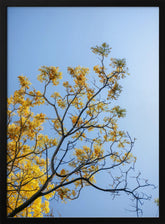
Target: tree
x=83 y=138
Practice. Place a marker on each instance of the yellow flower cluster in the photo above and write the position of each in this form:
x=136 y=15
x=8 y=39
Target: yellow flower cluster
x=26 y=165
x=56 y=123
x=79 y=73
x=37 y=97
x=90 y=93
x=55 y=95
x=74 y=120
x=50 y=187
x=80 y=154
x=61 y=103
x=121 y=159
x=63 y=172
x=86 y=152
x=83 y=153
x=63 y=193
x=79 y=135
x=97 y=150
x=39 y=117
x=24 y=82
x=100 y=106
x=29 y=184
x=77 y=103
x=50 y=74
x=99 y=70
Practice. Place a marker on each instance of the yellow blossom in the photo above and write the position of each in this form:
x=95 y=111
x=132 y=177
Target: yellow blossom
x=74 y=120
x=55 y=95
x=61 y=103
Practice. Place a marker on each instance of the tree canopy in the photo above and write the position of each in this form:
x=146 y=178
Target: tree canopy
x=56 y=155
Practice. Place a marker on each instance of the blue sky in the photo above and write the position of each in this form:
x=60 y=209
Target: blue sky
x=63 y=36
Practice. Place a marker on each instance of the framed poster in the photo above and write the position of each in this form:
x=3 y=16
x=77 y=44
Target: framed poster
x=81 y=81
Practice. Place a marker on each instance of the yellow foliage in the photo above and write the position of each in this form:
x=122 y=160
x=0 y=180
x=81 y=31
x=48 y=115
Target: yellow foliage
x=79 y=135
x=55 y=95
x=61 y=103
x=24 y=82
x=96 y=68
x=74 y=120
x=26 y=170
x=66 y=84
x=73 y=192
x=28 y=146
x=63 y=172
x=90 y=128
x=50 y=74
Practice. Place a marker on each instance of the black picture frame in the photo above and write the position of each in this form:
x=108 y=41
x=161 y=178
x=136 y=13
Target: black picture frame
x=3 y=101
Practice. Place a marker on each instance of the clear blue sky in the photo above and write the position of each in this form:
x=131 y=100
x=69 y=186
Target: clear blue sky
x=62 y=36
